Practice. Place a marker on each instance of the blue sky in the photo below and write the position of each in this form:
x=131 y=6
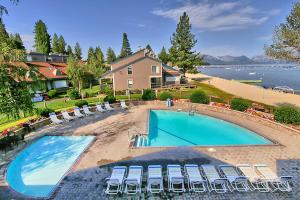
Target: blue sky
x=222 y=27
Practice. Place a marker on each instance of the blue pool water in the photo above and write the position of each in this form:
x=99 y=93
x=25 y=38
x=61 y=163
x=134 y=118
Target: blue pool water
x=39 y=168
x=170 y=128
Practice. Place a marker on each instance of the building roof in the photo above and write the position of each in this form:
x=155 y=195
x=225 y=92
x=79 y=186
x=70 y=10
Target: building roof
x=166 y=68
x=50 y=70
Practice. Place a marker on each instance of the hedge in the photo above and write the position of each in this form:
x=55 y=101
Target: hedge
x=240 y=104
x=164 y=96
x=287 y=114
x=199 y=96
x=148 y=95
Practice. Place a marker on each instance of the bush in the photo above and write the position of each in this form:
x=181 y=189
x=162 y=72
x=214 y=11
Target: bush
x=164 y=96
x=239 y=104
x=148 y=95
x=81 y=103
x=110 y=99
x=73 y=94
x=287 y=114
x=107 y=91
x=51 y=93
x=199 y=97
x=44 y=112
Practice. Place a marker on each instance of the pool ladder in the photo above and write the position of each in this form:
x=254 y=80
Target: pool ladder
x=191 y=111
x=141 y=141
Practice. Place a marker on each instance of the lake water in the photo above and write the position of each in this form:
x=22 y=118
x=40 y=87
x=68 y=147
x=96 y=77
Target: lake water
x=271 y=76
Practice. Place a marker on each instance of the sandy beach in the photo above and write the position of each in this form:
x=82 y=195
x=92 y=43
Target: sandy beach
x=251 y=92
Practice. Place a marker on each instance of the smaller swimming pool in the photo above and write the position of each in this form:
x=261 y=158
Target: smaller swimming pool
x=38 y=169
x=171 y=128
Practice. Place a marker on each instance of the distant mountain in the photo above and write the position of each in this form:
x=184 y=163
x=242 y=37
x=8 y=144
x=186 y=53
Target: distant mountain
x=240 y=60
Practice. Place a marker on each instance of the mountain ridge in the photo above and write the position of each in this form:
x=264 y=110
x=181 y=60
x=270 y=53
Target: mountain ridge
x=240 y=60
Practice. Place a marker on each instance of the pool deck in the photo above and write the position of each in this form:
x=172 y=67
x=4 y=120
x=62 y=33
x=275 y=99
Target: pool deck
x=111 y=147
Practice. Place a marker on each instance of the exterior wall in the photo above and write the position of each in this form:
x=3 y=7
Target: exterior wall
x=172 y=80
x=141 y=74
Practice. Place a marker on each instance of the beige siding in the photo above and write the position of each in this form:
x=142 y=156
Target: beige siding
x=137 y=55
x=141 y=73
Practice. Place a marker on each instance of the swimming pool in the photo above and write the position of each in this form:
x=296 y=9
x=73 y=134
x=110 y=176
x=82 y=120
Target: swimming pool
x=171 y=128
x=37 y=170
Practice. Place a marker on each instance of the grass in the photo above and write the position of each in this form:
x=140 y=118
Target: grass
x=132 y=97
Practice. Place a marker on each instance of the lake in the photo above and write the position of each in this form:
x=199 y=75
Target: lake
x=271 y=75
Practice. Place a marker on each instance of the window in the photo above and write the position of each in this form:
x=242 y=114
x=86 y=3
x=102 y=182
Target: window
x=130 y=83
x=129 y=69
x=155 y=69
x=155 y=82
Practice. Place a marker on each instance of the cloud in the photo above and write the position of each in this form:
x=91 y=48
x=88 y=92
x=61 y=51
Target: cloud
x=221 y=50
x=28 y=40
x=141 y=25
x=208 y=16
x=265 y=38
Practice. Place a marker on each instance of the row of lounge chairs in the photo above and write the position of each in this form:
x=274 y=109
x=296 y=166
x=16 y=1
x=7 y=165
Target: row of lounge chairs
x=86 y=110
x=206 y=178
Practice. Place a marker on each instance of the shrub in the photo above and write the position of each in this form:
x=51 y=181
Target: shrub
x=148 y=95
x=107 y=91
x=164 y=96
x=73 y=94
x=51 y=93
x=110 y=99
x=287 y=114
x=81 y=103
x=199 y=96
x=239 y=104
x=44 y=112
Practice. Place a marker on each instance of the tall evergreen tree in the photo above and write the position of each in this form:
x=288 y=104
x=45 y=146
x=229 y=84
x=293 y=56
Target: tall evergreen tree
x=110 y=55
x=41 y=38
x=163 y=56
x=286 y=38
x=99 y=56
x=3 y=32
x=62 y=45
x=55 y=44
x=3 y=9
x=77 y=51
x=69 y=50
x=91 y=55
x=183 y=41
x=126 y=50
x=18 y=41
x=149 y=47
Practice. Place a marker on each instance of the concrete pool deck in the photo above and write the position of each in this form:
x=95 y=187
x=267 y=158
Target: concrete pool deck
x=111 y=147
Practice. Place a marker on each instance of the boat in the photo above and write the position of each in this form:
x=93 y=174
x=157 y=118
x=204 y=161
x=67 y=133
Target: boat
x=285 y=89
x=252 y=73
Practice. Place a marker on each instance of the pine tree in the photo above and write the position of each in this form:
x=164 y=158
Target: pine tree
x=126 y=50
x=182 y=42
x=18 y=41
x=61 y=45
x=3 y=32
x=163 y=56
x=91 y=55
x=286 y=38
x=77 y=51
x=55 y=44
x=41 y=38
x=99 y=56
x=110 y=55
x=149 y=47
x=69 y=50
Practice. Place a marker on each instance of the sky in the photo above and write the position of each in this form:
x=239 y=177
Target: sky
x=221 y=27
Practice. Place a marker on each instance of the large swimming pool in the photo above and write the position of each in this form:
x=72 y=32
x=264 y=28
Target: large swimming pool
x=171 y=128
x=38 y=169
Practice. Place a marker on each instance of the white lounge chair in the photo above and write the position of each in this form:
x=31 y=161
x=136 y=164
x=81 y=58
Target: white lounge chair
x=116 y=180
x=175 y=178
x=77 y=112
x=196 y=182
x=237 y=182
x=99 y=108
x=133 y=182
x=255 y=180
x=123 y=105
x=216 y=183
x=54 y=119
x=108 y=107
x=281 y=183
x=66 y=116
x=155 y=179
x=87 y=111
